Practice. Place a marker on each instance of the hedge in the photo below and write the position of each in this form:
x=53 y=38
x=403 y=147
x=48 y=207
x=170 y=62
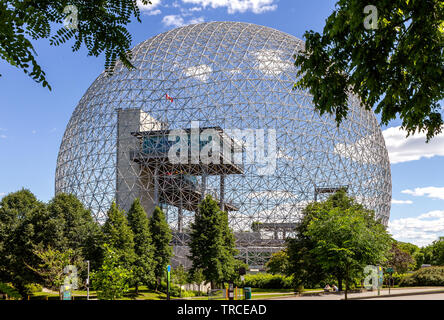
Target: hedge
x=430 y=276
x=267 y=281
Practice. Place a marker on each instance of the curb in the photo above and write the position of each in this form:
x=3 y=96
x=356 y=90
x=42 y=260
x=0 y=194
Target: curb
x=397 y=295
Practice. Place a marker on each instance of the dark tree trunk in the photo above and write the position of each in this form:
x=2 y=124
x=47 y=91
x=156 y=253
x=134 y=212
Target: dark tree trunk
x=137 y=289
x=340 y=283
x=346 y=282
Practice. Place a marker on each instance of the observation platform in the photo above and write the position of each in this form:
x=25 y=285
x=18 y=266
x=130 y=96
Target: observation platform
x=175 y=180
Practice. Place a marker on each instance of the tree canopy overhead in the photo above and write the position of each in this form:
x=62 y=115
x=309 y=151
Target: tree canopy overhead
x=99 y=25
x=389 y=54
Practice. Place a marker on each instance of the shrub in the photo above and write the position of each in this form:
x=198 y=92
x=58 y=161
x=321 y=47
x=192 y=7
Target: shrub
x=8 y=289
x=431 y=276
x=267 y=281
x=398 y=277
x=30 y=288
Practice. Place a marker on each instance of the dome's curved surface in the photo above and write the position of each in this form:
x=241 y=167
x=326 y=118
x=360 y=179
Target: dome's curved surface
x=234 y=76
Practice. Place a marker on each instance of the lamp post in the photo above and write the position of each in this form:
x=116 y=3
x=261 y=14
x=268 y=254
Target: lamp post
x=87 y=282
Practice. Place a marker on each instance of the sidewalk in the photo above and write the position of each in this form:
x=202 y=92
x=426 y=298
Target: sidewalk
x=366 y=294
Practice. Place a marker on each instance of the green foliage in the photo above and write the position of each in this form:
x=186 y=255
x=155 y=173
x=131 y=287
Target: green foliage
x=197 y=277
x=24 y=223
x=161 y=235
x=397 y=278
x=76 y=228
x=302 y=262
x=53 y=262
x=431 y=276
x=434 y=253
x=31 y=288
x=101 y=28
x=111 y=281
x=398 y=67
x=346 y=242
x=278 y=263
x=212 y=247
x=267 y=281
x=118 y=235
x=400 y=260
x=8 y=289
x=180 y=277
x=337 y=237
x=143 y=266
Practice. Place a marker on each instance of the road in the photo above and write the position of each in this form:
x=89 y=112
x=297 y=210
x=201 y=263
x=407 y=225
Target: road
x=435 y=296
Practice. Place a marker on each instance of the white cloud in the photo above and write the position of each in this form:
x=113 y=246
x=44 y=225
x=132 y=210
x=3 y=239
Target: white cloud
x=233 y=6
x=196 y=20
x=177 y=20
x=173 y=20
x=194 y=9
x=154 y=12
x=2 y=136
x=430 y=192
x=33 y=131
x=359 y=151
x=421 y=230
x=270 y=62
x=149 y=9
x=200 y=72
x=394 y=201
x=402 y=149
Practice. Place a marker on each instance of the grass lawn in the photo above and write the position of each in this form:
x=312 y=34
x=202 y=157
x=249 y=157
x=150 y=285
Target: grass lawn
x=144 y=294
x=147 y=294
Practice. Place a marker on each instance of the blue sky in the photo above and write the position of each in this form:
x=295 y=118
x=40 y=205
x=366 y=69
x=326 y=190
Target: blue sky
x=32 y=119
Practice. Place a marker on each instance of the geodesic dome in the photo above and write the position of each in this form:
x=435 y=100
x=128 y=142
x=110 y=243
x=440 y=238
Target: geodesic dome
x=226 y=76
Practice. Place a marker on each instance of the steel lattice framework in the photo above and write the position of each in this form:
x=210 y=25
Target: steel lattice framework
x=225 y=75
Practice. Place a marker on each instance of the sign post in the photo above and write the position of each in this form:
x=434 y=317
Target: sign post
x=390 y=271
x=381 y=279
x=168 y=281
x=87 y=282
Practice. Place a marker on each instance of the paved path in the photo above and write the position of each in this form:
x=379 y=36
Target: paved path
x=434 y=296
x=369 y=294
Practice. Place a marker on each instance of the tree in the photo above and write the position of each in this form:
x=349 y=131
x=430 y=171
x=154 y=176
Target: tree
x=434 y=253
x=180 y=277
x=78 y=230
x=399 y=259
x=211 y=245
x=161 y=235
x=346 y=241
x=118 y=235
x=230 y=265
x=24 y=223
x=143 y=266
x=197 y=277
x=112 y=279
x=278 y=263
x=302 y=262
x=99 y=25
x=53 y=263
x=389 y=54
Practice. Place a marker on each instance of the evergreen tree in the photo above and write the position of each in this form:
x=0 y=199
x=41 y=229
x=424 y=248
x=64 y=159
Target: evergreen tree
x=119 y=236
x=161 y=235
x=229 y=263
x=212 y=243
x=143 y=270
